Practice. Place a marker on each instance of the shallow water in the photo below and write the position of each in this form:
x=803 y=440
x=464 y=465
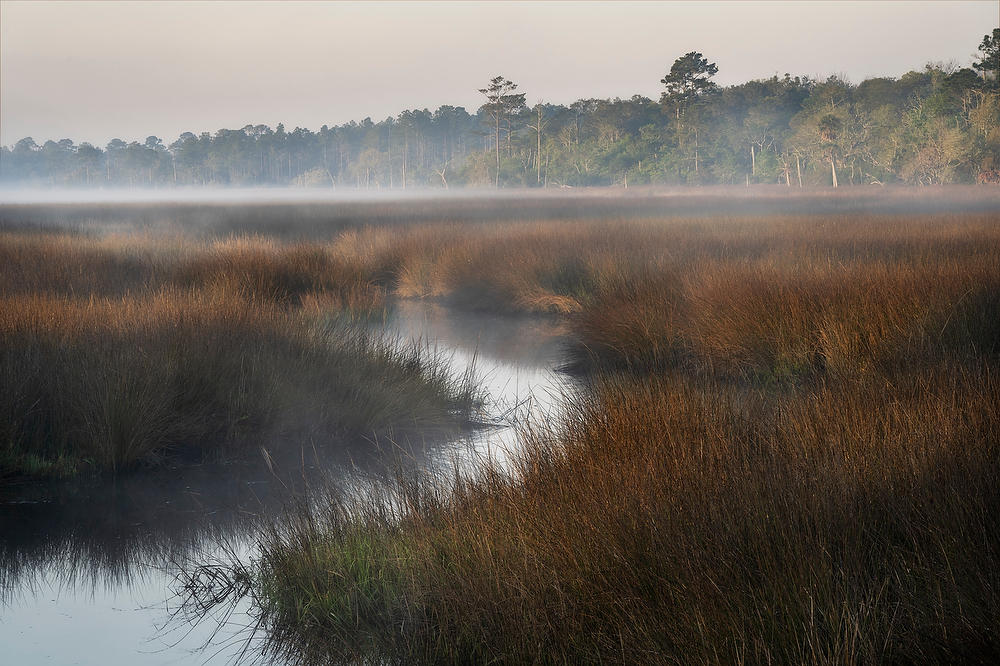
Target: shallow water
x=514 y=358
x=87 y=573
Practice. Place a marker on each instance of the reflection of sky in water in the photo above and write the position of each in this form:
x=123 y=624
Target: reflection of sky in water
x=121 y=625
x=514 y=359
x=84 y=571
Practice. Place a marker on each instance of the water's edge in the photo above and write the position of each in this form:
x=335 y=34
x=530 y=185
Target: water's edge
x=87 y=571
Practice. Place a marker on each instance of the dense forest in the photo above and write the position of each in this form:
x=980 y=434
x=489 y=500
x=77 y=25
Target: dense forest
x=937 y=125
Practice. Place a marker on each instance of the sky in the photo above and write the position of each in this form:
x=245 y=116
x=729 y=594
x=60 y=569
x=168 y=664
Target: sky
x=93 y=71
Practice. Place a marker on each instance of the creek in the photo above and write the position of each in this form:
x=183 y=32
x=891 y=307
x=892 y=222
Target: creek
x=88 y=571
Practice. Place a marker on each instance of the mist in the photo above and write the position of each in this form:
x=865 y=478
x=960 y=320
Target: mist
x=68 y=195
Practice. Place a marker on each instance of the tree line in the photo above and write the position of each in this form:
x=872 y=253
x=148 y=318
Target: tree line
x=932 y=126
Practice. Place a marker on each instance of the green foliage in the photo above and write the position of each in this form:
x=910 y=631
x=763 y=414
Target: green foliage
x=989 y=62
x=688 y=78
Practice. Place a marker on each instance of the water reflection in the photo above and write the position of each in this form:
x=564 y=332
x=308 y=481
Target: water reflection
x=101 y=534
x=86 y=570
x=515 y=357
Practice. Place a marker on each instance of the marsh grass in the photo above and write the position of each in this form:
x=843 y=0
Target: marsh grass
x=668 y=521
x=112 y=384
x=116 y=351
x=785 y=450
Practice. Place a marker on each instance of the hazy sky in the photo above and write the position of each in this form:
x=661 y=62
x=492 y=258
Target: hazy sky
x=92 y=71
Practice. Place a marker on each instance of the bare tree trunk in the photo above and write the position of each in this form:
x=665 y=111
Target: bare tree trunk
x=441 y=173
x=833 y=168
x=496 y=184
x=753 y=161
x=798 y=169
x=538 y=156
x=696 y=150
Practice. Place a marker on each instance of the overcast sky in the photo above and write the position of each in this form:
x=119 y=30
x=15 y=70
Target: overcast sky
x=92 y=71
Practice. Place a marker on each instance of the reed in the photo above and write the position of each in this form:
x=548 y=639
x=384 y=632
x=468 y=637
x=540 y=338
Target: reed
x=784 y=446
x=784 y=450
x=118 y=352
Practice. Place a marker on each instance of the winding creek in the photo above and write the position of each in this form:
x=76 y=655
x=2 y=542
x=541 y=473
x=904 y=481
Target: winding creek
x=87 y=573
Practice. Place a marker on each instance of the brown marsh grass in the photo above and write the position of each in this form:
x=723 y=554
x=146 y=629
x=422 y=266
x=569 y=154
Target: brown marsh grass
x=118 y=350
x=784 y=447
x=785 y=450
x=109 y=384
x=670 y=522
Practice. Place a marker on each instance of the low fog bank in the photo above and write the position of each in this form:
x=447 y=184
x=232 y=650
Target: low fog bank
x=47 y=195
x=311 y=214
x=72 y=195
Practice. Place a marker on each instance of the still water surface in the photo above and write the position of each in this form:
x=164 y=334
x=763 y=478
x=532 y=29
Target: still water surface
x=87 y=574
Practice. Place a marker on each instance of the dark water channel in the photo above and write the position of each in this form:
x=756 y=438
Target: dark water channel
x=87 y=572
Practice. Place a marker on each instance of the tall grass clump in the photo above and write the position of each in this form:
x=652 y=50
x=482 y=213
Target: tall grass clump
x=111 y=384
x=120 y=351
x=670 y=523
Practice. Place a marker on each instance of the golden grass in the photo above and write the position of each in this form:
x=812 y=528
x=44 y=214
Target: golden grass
x=112 y=384
x=787 y=451
x=786 y=447
x=119 y=350
x=673 y=522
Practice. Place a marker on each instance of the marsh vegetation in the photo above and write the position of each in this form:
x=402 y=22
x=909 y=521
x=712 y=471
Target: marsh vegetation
x=119 y=351
x=781 y=446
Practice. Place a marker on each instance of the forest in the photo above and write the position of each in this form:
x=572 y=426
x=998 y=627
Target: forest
x=936 y=125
